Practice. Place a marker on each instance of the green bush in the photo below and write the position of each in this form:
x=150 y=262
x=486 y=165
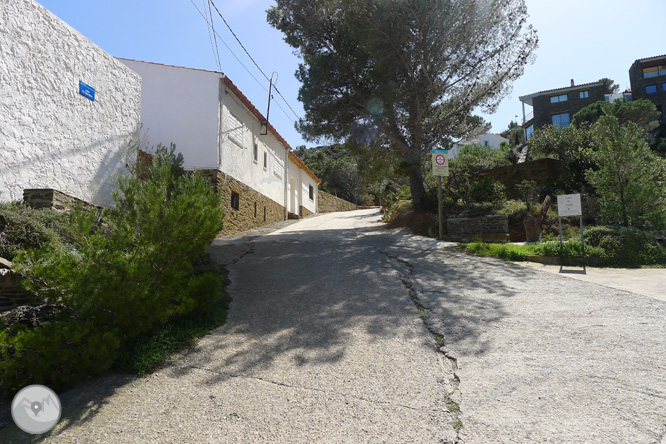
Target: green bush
x=626 y=247
x=142 y=271
x=58 y=354
x=24 y=228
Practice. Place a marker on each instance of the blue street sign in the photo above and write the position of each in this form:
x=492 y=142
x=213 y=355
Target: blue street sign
x=87 y=90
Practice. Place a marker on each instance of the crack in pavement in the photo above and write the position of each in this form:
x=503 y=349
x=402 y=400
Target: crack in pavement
x=282 y=384
x=453 y=405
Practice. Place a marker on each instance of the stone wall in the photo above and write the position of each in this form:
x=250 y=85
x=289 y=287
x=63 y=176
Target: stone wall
x=542 y=171
x=485 y=229
x=51 y=136
x=330 y=204
x=12 y=294
x=54 y=199
x=305 y=212
x=254 y=209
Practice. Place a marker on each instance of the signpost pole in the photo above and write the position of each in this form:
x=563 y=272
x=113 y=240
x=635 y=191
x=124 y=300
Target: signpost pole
x=440 y=207
x=582 y=241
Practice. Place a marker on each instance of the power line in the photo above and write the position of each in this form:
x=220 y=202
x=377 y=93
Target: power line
x=251 y=58
x=210 y=26
x=214 y=37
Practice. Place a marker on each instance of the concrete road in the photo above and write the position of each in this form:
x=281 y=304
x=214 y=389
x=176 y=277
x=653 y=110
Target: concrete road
x=344 y=331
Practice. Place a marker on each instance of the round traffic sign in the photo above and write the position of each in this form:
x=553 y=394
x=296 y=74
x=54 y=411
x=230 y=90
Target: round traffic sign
x=440 y=159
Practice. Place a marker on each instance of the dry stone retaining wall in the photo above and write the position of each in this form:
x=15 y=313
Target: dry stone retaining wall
x=486 y=229
x=12 y=294
x=330 y=204
x=542 y=171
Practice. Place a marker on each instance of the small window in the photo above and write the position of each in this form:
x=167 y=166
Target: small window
x=255 y=153
x=558 y=99
x=486 y=144
x=265 y=160
x=235 y=130
x=584 y=94
x=561 y=120
x=311 y=192
x=264 y=214
x=235 y=200
x=255 y=210
x=651 y=89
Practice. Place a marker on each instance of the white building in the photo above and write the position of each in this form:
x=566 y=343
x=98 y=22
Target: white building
x=218 y=130
x=489 y=140
x=68 y=109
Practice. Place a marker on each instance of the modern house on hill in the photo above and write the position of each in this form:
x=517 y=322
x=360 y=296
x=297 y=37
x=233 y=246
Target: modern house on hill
x=221 y=133
x=648 y=81
x=558 y=106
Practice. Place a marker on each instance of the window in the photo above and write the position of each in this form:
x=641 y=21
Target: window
x=654 y=71
x=558 y=99
x=235 y=200
x=235 y=130
x=265 y=160
x=584 y=94
x=561 y=120
x=264 y=214
x=486 y=144
x=529 y=132
x=651 y=89
x=256 y=153
x=311 y=192
x=255 y=210
x=663 y=87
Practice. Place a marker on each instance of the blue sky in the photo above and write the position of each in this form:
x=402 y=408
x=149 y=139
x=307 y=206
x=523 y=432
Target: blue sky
x=583 y=40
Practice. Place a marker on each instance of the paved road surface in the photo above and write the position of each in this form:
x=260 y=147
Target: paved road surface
x=343 y=331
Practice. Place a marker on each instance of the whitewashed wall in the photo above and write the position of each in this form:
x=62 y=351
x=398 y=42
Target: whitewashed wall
x=50 y=135
x=180 y=105
x=237 y=159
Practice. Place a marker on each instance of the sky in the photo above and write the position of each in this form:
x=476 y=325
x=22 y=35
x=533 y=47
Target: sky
x=584 y=40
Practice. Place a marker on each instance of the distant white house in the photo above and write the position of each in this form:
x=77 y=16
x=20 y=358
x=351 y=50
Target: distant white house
x=489 y=140
x=68 y=109
x=220 y=132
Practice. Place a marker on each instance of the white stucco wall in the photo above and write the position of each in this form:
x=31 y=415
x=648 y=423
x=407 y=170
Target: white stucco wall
x=491 y=140
x=237 y=160
x=50 y=135
x=180 y=105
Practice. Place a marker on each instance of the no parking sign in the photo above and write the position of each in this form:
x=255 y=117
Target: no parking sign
x=440 y=162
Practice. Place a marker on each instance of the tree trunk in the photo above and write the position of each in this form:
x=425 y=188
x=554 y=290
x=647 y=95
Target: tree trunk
x=416 y=180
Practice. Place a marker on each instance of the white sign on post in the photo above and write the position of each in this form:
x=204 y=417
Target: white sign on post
x=569 y=205
x=440 y=162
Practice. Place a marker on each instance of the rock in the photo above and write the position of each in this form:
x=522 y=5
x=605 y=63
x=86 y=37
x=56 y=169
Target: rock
x=30 y=317
x=5 y=264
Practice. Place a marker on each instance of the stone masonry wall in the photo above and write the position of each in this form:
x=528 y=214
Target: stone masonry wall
x=330 y=204
x=12 y=294
x=542 y=171
x=48 y=198
x=305 y=212
x=254 y=209
x=486 y=229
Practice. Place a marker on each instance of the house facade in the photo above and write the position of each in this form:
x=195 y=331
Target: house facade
x=69 y=110
x=488 y=140
x=558 y=106
x=222 y=134
x=648 y=81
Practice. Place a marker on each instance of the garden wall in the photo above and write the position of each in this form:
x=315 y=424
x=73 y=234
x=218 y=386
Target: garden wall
x=483 y=229
x=331 y=204
x=542 y=171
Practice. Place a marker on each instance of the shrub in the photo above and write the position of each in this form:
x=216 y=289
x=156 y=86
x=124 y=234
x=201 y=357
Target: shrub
x=24 y=228
x=142 y=271
x=626 y=247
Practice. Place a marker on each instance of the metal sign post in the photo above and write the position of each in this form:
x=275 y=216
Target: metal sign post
x=440 y=167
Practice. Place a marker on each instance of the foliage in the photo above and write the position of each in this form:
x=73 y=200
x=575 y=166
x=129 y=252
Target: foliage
x=142 y=271
x=58 y=354
x=625 y=247
x=24 y=228
x=465 y=182
x=642 y=112
x=630 y=178
x=574 y=147
x=406 y=74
